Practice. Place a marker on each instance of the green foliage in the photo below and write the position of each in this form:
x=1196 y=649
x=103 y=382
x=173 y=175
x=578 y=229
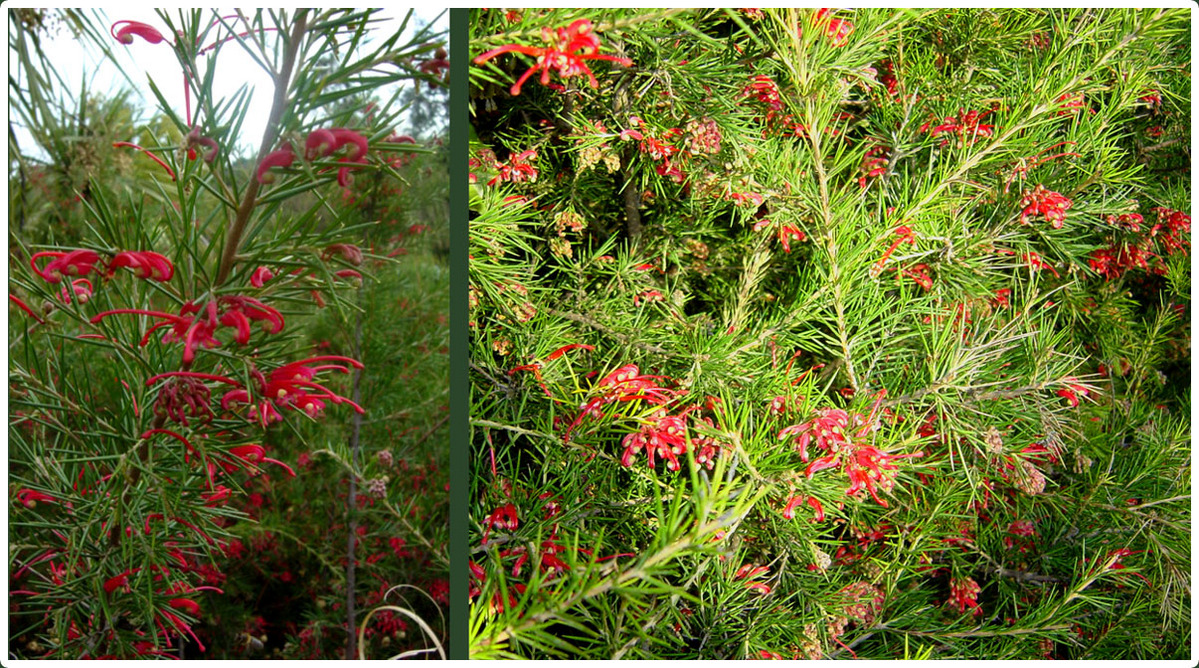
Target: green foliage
x=905 y=297
x=188 y=328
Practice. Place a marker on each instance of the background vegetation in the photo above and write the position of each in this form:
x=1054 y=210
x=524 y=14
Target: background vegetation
x=829 y=333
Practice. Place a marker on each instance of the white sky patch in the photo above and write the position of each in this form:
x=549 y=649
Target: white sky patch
x=77 y=60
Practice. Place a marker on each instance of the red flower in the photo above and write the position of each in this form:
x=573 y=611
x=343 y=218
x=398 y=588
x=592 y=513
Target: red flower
x=131 y=28
x=25 y=307
x=29 y=498
x=647 y=297
x=195 y=325
x=569 y=49
x=503 y=518
x=151 y=154
x=74 y=263
x=518 y=169
x=1040 y=201
x=194 y=139
x=968 y=129
x=81 y=288
x=253 y=454
x=963 y=593
x=350 y=252
x=120 y=581
x=261 y=276
x=1035 y=262
x=148 y=265
x=280 y=158
x=435 y=65
x=749 y=571
x=185 y=604
x=319 y=144
x=1072 y=103
x=874 y=164
x=1071 y=391
x=903 y=235
x=867 y=467
x=664 y=436
x=795 y=501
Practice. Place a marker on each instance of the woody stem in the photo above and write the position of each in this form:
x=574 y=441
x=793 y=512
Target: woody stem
x=282 y=82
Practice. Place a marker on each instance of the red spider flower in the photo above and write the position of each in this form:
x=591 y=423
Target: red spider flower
x=148 y=265
x=194 y=140
x=185 y=394
x=874 y=164
x=195 y=326
x=153 y=156
x=918 y=273
x=280 y=158
x=837 y=30
x=748 y=572
x=81 y=289
x=1072 y=103
x=1071 y=391
x=868 y=468
x=664 y=436
x=625 y=384
x=963 y=593
x=1042 y=202
x=1035 y=262
x=569 y=49
x=436 y=65
x=292 y=386
x=503 y=518
x=74 y=263
x=968 y=130
x=903 y=235
x=319 y=144
x=253 y=454
x=349 y=252
x=29 y=498
x=518 y=169
x=120 y=581
x=345 y=137
x=131 y=28
x=261 y=276
x=796 y=501
x=647 y=297
x=25 y=307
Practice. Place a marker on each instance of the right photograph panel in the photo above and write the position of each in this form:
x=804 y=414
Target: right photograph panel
x=829 y=333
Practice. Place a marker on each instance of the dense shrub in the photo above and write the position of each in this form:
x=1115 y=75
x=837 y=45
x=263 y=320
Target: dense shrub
x=821 y=333
x=227 y=365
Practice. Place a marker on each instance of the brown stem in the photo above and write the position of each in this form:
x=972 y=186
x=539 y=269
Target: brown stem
x=282 y=83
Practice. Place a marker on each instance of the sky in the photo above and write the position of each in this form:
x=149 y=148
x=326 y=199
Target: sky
x=143 y=61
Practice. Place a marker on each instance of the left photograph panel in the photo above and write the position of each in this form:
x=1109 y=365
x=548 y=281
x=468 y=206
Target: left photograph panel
x=228 y=334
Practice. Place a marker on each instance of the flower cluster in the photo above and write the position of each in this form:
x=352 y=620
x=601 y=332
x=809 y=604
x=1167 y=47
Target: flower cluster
x=842 y=436
x=1043 y=202
x=624 y=384
x=969 y=129
x=320 y=143
x=81 y=262
x=518 y=169
x=567 y=53
x=1170 y=235
x=875 y=163
x=963 y=594
x=196 y=325
x=836 y=30
x=292 y=386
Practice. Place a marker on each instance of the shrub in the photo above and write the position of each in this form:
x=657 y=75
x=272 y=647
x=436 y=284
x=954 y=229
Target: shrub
x=820 y=333
x=194 y=325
